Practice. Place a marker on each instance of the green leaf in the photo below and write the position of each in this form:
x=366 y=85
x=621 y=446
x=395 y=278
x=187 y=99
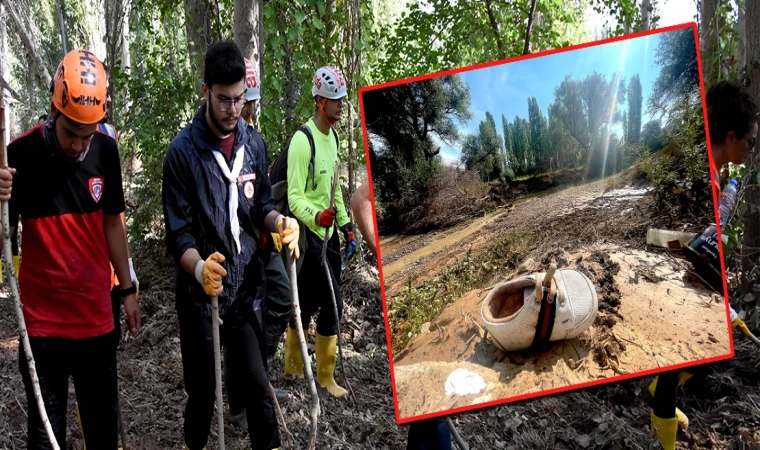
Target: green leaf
x=318 y=23
x=300 y=16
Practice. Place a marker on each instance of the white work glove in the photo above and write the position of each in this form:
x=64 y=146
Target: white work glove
x=133 y=275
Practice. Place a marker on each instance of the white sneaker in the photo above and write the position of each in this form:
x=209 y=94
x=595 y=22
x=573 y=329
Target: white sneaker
x=517 y=318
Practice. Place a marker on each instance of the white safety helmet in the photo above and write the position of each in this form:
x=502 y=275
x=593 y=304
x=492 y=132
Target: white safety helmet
x=329 y=83
x=252 y=85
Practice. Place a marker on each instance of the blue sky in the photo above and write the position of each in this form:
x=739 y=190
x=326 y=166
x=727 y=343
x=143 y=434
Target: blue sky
x=505 y=89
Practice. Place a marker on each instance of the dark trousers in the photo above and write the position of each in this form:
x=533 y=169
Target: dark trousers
x=666 y=392
x=313 y=288
x=279 y=302
x=278 y=306
x=91 y=362
x=429 y=434
x=241 y=335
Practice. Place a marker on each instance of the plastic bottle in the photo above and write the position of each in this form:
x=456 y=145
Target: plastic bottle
x=727 y=199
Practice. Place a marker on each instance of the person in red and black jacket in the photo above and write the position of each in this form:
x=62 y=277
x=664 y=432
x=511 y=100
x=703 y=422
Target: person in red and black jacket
x=67 y=189
x=216 y=193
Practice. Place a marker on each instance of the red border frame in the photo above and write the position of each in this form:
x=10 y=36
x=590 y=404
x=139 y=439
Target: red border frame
x=502 y=401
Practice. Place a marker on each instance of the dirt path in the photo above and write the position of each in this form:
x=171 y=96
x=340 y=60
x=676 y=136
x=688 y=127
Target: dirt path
x=421 y=257
x=653 y=313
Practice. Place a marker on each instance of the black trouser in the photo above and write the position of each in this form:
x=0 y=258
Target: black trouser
x=92 y=364
x=313 y=288
x=279 y=302
x=429 y=434
x=666 y=392
x=241 y=335
x=278 y=307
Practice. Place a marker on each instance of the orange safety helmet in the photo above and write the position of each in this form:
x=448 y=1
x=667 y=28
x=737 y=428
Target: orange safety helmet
x=79 y=87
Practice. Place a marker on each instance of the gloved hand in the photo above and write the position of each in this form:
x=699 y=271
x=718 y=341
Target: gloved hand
x=326 y=218
x=276 y=241
x=209 y=274
x=737 y=322
x=348 y=230
x=288 y=229
x=132 y=275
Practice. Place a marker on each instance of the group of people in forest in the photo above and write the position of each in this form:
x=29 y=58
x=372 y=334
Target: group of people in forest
x=222 y=230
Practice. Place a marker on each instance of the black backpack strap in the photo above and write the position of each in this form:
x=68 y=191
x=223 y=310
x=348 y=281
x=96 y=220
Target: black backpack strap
x=305 y=130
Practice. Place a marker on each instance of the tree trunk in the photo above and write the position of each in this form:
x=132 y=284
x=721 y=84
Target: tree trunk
x=644 y=15
x=198 y=28
x=31 y=84
x=526 y=50
x=708 y=36
x=61 y=25
x=495 y=28
x=4 y=73
x=247 y=29
x=27 y=42
x=742 y=23
x=751 y=239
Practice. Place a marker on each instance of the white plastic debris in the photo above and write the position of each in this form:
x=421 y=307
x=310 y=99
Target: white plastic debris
x=464 y=382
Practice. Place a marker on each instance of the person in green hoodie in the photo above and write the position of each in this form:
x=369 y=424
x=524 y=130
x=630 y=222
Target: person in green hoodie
x=312 y=207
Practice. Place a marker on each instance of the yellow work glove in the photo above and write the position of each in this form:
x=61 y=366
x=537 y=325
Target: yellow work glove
x=277 y=242
x=288 y=229
x=739 y=323
x=209 y=274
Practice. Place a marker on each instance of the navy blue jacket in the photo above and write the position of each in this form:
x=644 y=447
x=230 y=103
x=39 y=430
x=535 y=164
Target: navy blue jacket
x=195 y=197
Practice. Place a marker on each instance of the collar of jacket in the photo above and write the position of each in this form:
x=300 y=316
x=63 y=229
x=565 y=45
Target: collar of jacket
x=203 y=137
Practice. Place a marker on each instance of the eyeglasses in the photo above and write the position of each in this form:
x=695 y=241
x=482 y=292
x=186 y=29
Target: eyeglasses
x=225 y=104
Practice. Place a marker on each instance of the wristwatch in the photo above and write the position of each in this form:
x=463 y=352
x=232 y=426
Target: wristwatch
x=128 y=291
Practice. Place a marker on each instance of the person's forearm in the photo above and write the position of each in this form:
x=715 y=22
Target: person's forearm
x=270 y=221
x=117 y=247
x=362 y=208
x=126 y=238
x=190 y=260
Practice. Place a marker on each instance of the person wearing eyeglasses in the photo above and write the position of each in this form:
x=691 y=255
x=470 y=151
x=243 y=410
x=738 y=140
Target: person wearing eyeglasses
x=732 y=117
x=216 y=193
x=278 y=306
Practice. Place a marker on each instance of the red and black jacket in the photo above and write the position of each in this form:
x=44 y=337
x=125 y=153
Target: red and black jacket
x=66 y=281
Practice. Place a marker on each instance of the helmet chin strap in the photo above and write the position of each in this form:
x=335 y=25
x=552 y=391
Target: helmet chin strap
x=321 y=106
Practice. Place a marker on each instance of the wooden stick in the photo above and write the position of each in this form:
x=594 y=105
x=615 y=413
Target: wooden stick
x=461 y=443
x=218 y=368
x=279 y=413
x=332 y=290
x=292 y=274
x=11 y=276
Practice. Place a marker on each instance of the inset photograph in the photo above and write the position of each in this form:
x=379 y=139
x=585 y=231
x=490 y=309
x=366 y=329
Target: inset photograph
x=546 y=223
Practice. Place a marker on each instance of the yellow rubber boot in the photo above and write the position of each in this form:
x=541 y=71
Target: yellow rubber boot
x=666 y=430
x=683 y=420
x=293 y=359
x=16 y=264
x=326 y=359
